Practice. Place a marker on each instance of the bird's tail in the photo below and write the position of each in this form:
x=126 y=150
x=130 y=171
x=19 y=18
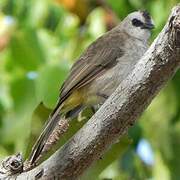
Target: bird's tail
x=54 y=128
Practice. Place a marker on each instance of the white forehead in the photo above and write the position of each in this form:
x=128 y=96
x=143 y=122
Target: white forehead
x=137 y=14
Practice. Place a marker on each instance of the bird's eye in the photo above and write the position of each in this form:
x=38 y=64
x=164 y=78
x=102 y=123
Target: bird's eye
x=136 y=22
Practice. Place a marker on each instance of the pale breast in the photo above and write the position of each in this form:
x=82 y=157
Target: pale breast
x=109 y=81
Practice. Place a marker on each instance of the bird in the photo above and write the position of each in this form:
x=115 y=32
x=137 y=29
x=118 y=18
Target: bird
x=98 y=71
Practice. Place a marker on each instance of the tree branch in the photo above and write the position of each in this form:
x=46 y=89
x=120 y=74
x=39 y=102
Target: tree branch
x=120 y=111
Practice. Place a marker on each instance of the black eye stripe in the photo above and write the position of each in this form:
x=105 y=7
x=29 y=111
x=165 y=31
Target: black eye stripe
x=136 y=22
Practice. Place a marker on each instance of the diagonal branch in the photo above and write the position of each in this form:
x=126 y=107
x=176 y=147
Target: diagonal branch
x=120 y=111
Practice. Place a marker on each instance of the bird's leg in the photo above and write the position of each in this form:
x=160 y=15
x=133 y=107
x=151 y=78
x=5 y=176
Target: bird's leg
x=81 y=117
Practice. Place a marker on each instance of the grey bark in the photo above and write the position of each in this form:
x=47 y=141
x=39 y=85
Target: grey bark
x=120 y=111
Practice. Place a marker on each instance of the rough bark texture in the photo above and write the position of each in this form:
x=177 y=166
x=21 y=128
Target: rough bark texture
x=120 y=111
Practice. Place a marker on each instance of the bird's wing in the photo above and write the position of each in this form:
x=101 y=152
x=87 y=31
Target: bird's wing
x=100 y=56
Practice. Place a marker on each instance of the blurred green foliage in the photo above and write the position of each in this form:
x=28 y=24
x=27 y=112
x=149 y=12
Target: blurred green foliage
x=39 y=41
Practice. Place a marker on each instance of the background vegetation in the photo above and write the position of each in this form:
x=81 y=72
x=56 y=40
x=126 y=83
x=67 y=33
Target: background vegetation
x=39 y=41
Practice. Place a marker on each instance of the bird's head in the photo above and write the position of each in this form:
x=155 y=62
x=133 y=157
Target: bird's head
x=138 y=24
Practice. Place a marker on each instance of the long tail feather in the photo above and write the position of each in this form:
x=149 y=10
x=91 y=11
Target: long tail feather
x=40 y=145
x=54 y=128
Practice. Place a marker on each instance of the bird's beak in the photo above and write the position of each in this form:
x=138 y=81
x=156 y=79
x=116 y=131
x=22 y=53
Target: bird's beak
x=148 y=26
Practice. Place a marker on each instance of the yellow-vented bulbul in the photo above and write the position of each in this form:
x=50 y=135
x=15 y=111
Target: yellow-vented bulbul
x=99 y=71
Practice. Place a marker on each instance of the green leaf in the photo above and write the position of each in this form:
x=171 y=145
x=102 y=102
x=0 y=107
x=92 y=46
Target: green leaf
x=26 y=51
x=122 y=8
x=23 y=94
x=48 y=84
x=16 y=123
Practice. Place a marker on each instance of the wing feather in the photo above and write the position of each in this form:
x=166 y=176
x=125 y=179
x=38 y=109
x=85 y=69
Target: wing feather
x=96 y=60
